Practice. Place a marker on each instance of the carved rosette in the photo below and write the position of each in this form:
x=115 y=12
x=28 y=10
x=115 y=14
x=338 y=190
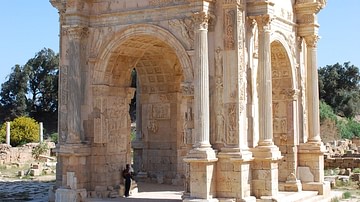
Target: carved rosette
x=311 y=41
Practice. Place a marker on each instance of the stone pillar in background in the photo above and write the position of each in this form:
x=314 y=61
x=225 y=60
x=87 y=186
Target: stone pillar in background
x=41 y=132
x=8 y=133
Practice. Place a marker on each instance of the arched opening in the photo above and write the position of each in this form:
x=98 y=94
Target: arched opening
x=158 y=147
x=283 y=110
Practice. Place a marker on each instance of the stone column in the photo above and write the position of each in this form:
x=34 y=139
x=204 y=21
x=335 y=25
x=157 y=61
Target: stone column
x=8 y=133
x=265 y=98
x=202 y=157
x=312 y=90
x=201 y=81
x=311 y=153
x=41 y=132
x=266 y=154
x=75 y=57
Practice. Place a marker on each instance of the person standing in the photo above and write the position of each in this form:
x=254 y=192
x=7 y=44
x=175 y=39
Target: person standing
x=128 y=176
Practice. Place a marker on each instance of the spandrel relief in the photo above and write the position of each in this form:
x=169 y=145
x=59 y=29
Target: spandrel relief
x=186 y=28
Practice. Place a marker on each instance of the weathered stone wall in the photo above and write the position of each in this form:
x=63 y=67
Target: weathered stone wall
x=11 y=155
x=346 y=162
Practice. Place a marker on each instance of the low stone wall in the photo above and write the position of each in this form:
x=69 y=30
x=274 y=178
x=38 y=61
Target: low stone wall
x=20 y=155
x=343 y=163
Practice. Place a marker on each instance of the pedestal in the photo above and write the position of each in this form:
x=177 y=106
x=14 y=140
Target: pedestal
x=311 y=155
x=265 y=181
x=70 y=195
x=202 y=174
x=233 y=175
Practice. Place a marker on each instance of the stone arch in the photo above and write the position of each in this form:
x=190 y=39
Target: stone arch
x=162 y=67
x=117 y=39
x=280 y=37
x=284 y=107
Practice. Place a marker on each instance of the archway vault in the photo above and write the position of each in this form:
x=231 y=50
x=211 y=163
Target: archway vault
x=162 y=66
x=126 y=47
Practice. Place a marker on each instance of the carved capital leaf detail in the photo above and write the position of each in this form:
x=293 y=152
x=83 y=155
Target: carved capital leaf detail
x=75 y=32
x=311 y=41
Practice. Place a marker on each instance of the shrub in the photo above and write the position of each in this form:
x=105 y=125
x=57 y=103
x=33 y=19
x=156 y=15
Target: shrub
x=23 y=130
x=54 y=137
x=40 y=149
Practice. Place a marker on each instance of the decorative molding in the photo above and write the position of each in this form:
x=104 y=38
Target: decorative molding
x=75 y=32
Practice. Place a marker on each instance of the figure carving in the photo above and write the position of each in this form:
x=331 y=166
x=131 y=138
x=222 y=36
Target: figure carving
x=153 y=126
x=229 y=24
x=186 y=28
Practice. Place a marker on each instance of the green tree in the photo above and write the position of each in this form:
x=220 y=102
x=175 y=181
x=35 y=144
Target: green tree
x=23 y=130
x=43 y=87
x=339 y=87
x=13 y=94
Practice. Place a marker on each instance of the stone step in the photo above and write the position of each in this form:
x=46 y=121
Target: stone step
x=290 y=197
x=307 y=196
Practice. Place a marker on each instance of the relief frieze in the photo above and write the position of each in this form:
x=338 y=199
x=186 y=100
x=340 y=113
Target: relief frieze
x=229 y=25
x=160 y=111
x=161 y=3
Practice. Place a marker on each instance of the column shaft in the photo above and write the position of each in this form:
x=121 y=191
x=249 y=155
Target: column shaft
x=265 y=96
x=202 y=82
x=313 y=90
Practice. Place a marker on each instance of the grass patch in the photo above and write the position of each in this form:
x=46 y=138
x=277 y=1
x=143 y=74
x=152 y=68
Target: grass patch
x=346 y=195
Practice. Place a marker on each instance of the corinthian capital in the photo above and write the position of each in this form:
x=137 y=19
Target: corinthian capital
x=201 y=20
x=75 y=32
x=311 y=41
x=263 y=22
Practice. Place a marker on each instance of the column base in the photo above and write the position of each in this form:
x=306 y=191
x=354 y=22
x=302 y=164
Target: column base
x=233 y=171
x=267 y=152
x=265 y=169
x=201 y=155
x=202 y=172
x=311 y=155
x=292 y=184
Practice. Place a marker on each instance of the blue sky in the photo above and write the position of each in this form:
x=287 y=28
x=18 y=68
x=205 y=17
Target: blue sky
x=28 y=26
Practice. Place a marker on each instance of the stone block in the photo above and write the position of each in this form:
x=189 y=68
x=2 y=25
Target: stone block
x=305 y=174
x=35 y=172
